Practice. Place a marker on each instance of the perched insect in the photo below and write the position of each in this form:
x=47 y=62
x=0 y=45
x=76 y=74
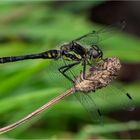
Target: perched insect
x=83 y=50
x=73 y=51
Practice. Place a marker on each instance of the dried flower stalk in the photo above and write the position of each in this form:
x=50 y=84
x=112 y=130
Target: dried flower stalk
x=99 y=76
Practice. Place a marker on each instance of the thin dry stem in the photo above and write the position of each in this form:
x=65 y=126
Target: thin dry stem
x=38 y=111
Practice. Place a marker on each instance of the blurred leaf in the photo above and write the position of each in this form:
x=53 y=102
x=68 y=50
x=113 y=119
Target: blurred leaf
x=90 y=130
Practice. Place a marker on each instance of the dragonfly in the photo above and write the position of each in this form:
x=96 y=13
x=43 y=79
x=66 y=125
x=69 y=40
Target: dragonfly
x=82 y=51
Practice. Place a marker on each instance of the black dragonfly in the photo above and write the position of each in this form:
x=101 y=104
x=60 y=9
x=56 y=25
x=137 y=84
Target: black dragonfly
x=83 y=50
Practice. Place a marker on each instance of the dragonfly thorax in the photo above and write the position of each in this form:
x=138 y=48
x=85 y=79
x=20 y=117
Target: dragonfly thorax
x=77 y=52
x=73 y=51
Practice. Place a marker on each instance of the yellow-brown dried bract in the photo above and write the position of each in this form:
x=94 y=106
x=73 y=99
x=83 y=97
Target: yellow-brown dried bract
x=99 y=76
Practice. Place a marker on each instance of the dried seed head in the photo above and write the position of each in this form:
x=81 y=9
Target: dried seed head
x=98 y=76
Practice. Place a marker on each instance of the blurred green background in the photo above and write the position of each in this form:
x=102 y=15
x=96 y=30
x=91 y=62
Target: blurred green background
x=32 y=27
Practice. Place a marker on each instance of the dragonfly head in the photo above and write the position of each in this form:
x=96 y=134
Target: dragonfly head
x=95 y=53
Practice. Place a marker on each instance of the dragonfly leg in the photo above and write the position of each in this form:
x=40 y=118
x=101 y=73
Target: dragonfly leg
x=85 y=63
x=65 y=68
x=84 y=69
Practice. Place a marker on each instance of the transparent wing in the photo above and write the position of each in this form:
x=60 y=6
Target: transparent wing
x=88 y=39
x=87 y=102
x=111 y=95
x=128 y=100
x=91 y=107
x=54 y=77
x=116 y=98
x=95 y=37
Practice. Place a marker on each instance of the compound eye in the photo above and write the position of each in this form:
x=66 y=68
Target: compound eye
x=95 y=54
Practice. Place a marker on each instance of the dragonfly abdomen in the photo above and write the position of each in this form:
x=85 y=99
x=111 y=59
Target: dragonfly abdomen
x=18 y=58
x=51 y=54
